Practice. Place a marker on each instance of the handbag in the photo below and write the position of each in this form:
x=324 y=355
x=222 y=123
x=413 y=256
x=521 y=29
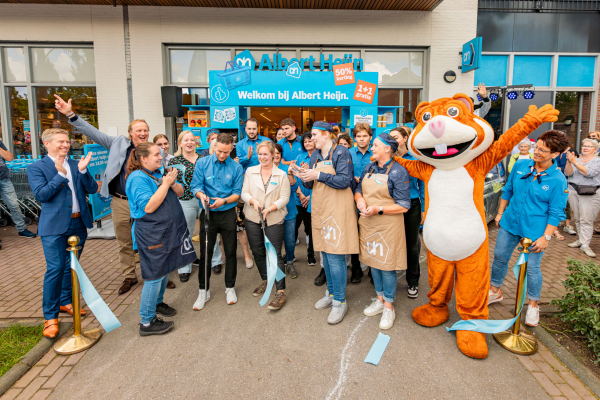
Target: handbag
x=585 y=190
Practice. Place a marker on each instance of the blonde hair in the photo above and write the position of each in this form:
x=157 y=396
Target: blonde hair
x=268 y=144
x=49 y=134
x=179 y=139
x=135 y=121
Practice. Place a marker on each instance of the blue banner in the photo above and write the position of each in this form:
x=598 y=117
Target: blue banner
x=284 y=89
x=96 y=167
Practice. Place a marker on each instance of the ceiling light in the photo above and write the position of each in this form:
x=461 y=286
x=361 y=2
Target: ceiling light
x=265 y=117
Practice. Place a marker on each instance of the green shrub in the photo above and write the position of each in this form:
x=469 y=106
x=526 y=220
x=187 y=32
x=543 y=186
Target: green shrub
x=580 y=307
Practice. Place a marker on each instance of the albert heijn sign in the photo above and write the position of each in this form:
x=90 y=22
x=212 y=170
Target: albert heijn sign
x=276 y=62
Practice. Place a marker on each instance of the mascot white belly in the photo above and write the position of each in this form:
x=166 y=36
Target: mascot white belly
x=453 y=228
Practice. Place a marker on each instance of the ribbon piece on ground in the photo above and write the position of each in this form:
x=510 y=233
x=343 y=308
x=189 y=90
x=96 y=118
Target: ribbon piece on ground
x=101 y=311
x=494 y=326
x=377 y=349
x=273 y=271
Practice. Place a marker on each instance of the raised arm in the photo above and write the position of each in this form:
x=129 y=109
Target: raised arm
x=416 y=169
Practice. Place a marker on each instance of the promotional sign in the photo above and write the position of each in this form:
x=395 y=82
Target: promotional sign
x=343 y=74
x=297 y=88
x=96 y=167
x=365 y=115
x=471 y=55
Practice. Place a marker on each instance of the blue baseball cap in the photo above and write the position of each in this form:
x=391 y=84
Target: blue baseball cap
x=213 y=130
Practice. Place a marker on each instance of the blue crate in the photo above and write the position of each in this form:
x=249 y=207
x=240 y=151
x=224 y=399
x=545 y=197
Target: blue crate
x=234 y=76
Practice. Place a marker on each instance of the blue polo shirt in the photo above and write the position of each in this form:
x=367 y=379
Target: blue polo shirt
x=398 y=182
x=533 y=204
x=304 y=157
x=292 y=149
x=217 y=179
x=292 y=211
x=139 y=189
x=417 y=186
x=360 y=160
x=241 y=149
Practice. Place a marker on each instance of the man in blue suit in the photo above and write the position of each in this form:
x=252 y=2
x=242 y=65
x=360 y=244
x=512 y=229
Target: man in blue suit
x=61 y=185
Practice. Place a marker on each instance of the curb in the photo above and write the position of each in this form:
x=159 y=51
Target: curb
x=576 y=367
x=29 y=359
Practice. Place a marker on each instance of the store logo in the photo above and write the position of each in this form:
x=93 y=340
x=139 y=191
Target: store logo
x=364 y=113
x=219 y=94
x=294 y=70
x=244 y=59
x=377 y=248
x=546 y=187
x=330 y=232
x=187 y=246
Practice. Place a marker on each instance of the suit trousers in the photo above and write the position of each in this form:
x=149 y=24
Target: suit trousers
x=57 y=280
x=122 y=222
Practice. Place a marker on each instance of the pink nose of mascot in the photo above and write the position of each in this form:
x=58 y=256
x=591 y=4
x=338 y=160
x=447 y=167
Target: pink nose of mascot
x=437 y=127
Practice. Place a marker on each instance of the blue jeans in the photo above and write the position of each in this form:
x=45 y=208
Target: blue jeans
x=385 y=283
x=152 y=294
x=7 y=190
x=505 y=245
x=336 y=273
x=57 y=280
x=289 y=239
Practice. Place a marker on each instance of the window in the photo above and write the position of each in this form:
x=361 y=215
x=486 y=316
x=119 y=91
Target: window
x=63 y=65
x=192 y=66
x=18 y=108
x=14 y=62
x=396 y=68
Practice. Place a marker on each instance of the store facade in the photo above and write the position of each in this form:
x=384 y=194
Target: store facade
x=114 y=60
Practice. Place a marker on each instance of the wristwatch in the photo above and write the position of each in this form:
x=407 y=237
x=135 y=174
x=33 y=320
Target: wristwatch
x=380 y=210
x=548 y=237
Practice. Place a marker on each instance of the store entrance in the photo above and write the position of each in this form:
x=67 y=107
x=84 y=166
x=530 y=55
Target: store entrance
x=269 y=118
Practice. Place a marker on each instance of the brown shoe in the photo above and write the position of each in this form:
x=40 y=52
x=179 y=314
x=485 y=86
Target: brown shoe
x=51 y=328
x=260 y=289
x=69 y=309
x=171 y=285
x=277 y=302
x=127 y=284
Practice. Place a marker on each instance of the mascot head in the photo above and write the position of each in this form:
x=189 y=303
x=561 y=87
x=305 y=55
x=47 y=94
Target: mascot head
x=448 y=134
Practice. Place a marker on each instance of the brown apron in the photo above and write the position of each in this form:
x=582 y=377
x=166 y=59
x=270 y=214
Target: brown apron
x=333 y=215
x=382 y=237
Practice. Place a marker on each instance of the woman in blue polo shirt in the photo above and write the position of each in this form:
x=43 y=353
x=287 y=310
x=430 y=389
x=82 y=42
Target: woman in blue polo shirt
x=159 y=232
x=532 y=206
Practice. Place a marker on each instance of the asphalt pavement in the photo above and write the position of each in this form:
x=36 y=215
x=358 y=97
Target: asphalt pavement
x=247 y=351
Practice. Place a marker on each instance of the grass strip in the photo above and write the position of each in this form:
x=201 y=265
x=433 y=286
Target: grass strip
x=15 y=342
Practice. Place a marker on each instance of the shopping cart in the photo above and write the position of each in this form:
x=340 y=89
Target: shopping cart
x=29 y=206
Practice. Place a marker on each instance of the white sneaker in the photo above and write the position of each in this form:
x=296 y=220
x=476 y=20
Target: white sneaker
x=576 y=243
x=338 y=312
x=249 y=264
x=203 y=297
x=494 y=298
x=532 y=318
x=375 y=308
x=587 y=250
x=325 y=302
x=569 y=229
x=231 y=297
x=387 y=319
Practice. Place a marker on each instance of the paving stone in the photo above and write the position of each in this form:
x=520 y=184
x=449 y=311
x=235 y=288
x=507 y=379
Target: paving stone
x=57 y=377
x=575 y=383
x=28 y=377
x=30 y=390
x=568 y=391
x=53 y=366
x=48 y=357
x=74 y=359
x=546 y=384
x=41 y=394
x=549 y=372
x=11 y=394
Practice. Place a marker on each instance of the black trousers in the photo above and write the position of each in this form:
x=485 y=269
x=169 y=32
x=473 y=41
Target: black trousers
x=412 y=222
x=304 y=216
x=256 y=240
x=222 y=222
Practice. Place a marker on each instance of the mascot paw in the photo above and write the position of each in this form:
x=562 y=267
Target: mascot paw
x=429 y=315
x=546 y=113
x=472 y=344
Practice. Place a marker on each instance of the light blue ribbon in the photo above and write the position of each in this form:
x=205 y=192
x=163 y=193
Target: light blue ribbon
x=101 y=311
x=181 y=168
x=273 y=271
x=493 y=326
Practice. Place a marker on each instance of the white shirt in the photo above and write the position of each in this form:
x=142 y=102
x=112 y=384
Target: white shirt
x=76 y=207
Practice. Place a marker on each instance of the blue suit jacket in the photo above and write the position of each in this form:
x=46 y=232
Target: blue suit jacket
x=52 y=190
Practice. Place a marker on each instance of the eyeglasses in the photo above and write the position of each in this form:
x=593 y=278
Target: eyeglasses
x=588 y=147
x=542 y=150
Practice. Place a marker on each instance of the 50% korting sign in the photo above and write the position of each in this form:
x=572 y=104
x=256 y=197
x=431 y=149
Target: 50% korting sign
x=343 y=74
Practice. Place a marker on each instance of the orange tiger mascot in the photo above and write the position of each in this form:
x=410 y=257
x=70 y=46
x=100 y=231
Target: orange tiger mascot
x=456 y=150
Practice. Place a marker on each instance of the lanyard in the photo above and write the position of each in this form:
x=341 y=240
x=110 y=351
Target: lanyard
x=387 y=172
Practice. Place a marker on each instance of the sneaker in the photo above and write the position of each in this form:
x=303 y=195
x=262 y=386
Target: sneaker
x=260 y=289
x=249 y=264
x=532 y=318
x=375 y=308
x=587 y=250
x=312 y=260
x=184 y=277
x=203 y=297
x=278 y=301
x=196 y=263
x=321 y=279
x=569 y=229
x=338 y=312
x=217 y=269
x=413 y=292
x=164 y=309
x=157 y=327
x=297 y=242
x=494 y=298
x=27 y=233
x=291 y=270
x=387 y=319
x=325 y=302
x=231 y=297
x=576 y=243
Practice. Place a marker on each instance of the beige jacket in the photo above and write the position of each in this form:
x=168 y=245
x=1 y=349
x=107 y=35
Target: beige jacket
x=278 y=193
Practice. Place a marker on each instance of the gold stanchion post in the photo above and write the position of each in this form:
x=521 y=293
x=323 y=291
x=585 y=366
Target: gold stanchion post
x=78 y=341
x=514 y=339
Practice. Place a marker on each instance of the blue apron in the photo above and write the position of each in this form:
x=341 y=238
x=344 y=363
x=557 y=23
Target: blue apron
x=163 y=240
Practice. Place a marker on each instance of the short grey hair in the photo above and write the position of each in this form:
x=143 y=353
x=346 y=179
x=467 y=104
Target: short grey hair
x=527 y=142
x=594 y=142
x=49 y=134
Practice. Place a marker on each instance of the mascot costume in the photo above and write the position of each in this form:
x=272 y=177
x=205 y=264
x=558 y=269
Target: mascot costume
x=456 y=150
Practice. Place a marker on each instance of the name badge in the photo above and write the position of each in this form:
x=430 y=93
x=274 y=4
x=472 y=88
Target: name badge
x=378 y=181
x=273 y=183
x=210 y=177
x=327 y=162
x=519 y=172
